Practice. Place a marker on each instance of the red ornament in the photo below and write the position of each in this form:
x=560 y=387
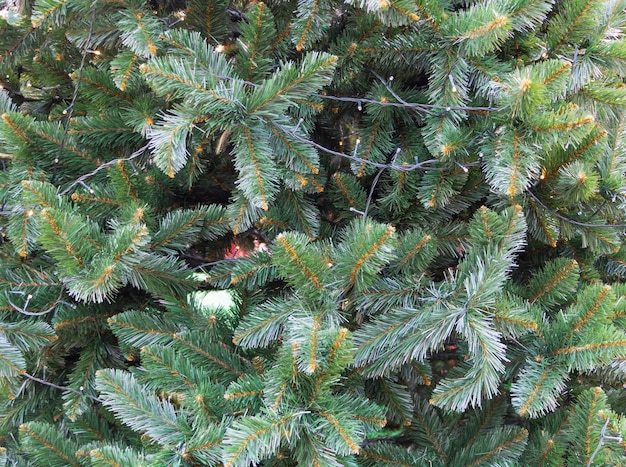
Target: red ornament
x=235 y=251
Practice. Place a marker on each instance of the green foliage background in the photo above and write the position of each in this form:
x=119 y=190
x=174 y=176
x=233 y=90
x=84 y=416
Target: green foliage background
x=417 y=207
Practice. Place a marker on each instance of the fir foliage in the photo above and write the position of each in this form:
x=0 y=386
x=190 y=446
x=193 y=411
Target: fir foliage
x=416 y=209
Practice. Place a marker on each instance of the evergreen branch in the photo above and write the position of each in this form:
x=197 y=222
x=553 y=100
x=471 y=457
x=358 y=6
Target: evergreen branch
x=94 y=79
x=561 y=272
x=76 y=321
x=12 y=362
x=122 y=70
x=524 y=408
x=390 y=292
x=40 y=434
x=258 y=173
x=492 y=415
x=290 y=83
x=189 y=222
x=111 y=455
x=82 y=376
x=138 y=28
x=553 y=124
x=386 y=453
x=550 y=235
x=257 y=31
x=312 y=12
x=370 y=252
x=376 y=340
x=214 y=74
x=571 y=17
x=350 y=442
x=252 y=271
x=485 y=29
x=591 y=311
x=157 y=359
x=430 y=425
x=140 y=329
x=169 y=141
x=27 y=335
x=330 y=360
x=243 y=394
x=312 y=349
x=590 y=411
x=264 y=326
x=600 y=442
x=293 y=150
x=537 y=387
x=496 y=451
x=290 y=243
x=146 y=413
x=186 y=343
x=253 y=438
x=396 y=399
x=590 y=346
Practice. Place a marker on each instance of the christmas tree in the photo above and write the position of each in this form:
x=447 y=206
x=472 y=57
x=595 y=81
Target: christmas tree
x=317 y=233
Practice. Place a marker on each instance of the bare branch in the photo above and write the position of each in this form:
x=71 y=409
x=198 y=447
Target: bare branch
x=61 y=388
x=423 y=108
x=567 y=219
x=24 y=309
x=391 y=91
x=81 y=180
x=425 y=165
x=603 y=437
x=75 y=95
